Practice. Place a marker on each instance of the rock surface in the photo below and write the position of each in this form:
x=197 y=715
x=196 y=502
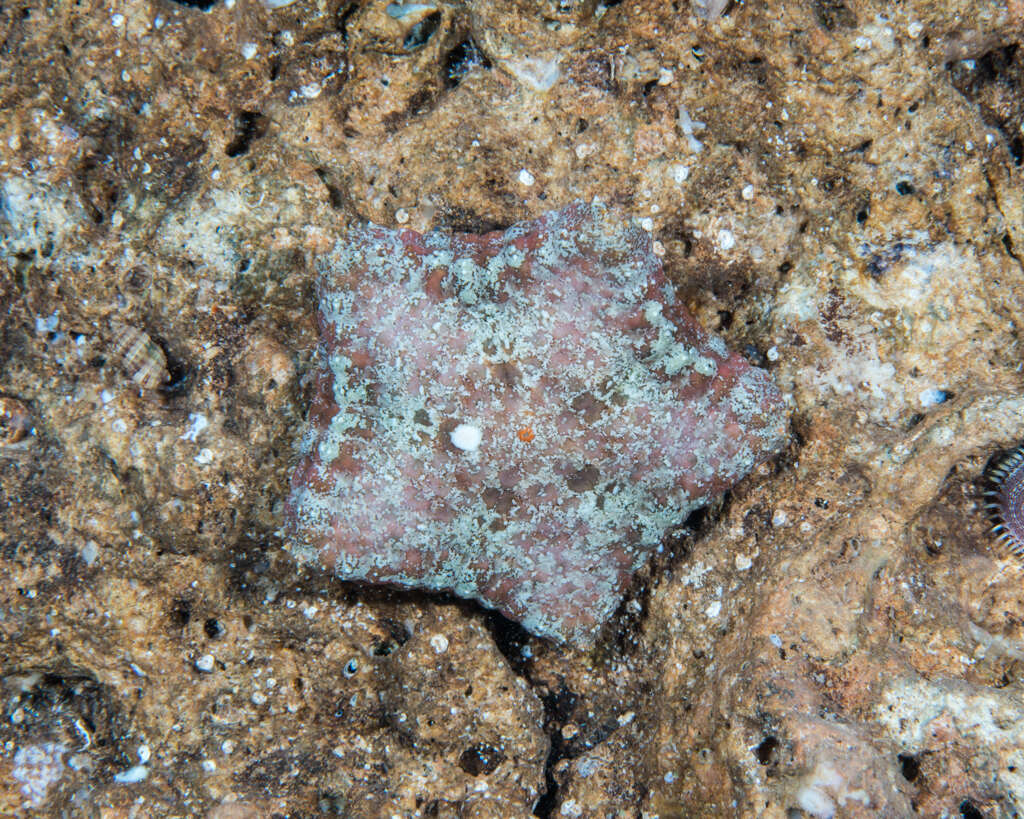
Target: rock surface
x=518 y=418
x=841 y=635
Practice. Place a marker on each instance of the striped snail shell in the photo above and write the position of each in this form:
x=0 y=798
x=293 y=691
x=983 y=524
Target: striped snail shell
x=138 y=355
x=15 y=421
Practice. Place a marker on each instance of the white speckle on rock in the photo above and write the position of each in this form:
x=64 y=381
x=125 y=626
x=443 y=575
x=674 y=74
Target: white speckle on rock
x=525 y=177
x=467 y=437
x=205 y=663
x=647 y=223
x=47 y=324
x=136 y=773
x=714 y=609
x=570 y=807
x=584 y=149
x=915 y=29
x=439 y=643
x=117 y=20
x=775 y=640
x=204 y=457
x=249 y=50
x=89 y=552
x=747 y=192
x=37 y=768
x=862 y=43
x=932 y=396
x=780 y=518
x=689 y=127
x=726 y=239
x=258 y=698
x=816 y=802
x=772 y=354
x=680 y=173
x=401 y=216
x=743 y=562
x=535 y=72
x=196 y=424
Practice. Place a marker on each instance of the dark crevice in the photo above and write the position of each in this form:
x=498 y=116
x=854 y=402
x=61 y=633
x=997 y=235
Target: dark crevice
x=345 y=11
x=513 y=641
x=462 y=59
x=968 y=811
x=765 y=751
x=558 y=707
x=1016 y=147
x=992 y=82
x=909 y=766
x=1008 y=244
x=419 y=35
x=335 y=196
x=202 y=5
x=249 y=126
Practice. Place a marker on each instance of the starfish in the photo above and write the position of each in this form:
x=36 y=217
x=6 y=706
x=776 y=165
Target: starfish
x=516 y=418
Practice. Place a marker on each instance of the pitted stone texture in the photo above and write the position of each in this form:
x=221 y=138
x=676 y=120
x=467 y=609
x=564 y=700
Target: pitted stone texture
x=516 y=417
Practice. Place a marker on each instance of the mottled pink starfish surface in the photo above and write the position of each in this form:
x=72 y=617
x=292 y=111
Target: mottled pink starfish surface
x=516 y=417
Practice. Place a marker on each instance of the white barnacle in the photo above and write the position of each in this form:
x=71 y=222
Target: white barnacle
x=467 y=437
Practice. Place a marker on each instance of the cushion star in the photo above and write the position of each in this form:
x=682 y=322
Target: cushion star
x=516 y=417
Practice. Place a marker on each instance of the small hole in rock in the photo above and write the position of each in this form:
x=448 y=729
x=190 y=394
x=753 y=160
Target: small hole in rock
x=909 y=766
x=249 y=126
x=968 y=811
x=766 y=750
x=480 y=759
x=461 y=60
x=181 y=612
x=1016 y=147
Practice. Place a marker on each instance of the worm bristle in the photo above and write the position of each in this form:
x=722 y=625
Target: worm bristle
x=1005 y=482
